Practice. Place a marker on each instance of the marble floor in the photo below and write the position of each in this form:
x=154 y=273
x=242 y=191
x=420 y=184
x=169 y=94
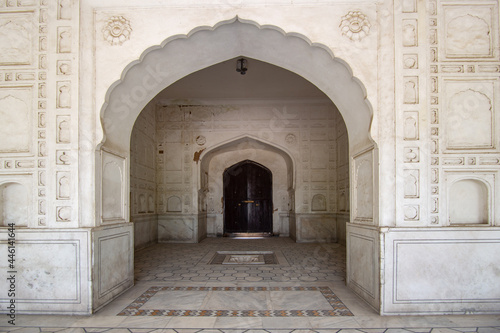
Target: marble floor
x=187 y=288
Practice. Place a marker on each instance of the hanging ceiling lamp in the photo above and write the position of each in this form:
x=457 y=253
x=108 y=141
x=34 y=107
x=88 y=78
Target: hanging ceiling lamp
x=241 y=66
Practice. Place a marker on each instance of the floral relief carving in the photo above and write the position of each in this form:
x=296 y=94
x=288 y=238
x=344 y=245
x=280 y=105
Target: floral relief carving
x=117 y=30
x=355 y=25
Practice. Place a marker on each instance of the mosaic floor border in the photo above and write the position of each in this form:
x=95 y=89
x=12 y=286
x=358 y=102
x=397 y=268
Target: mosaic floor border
x=484 y=329
x=338 y=307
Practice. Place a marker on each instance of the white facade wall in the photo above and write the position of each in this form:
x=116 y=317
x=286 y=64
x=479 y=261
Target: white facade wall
x=416 y=83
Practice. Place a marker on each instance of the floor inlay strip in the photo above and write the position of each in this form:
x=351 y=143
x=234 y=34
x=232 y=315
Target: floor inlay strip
x=337 y=306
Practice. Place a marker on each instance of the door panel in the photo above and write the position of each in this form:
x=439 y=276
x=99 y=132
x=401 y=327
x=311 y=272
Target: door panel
x=248 y=198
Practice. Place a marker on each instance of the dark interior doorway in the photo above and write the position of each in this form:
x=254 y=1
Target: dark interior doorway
x=248 y=204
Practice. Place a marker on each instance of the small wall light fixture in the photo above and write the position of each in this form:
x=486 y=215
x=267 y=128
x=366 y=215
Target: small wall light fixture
x=241 y=66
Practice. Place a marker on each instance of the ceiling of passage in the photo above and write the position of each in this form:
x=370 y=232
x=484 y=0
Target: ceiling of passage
x=261 y=81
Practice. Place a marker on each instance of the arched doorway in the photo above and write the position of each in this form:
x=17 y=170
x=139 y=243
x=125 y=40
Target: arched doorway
x=248 y=200
x=161 y=66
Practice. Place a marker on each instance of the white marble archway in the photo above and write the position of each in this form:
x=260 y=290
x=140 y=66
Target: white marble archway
x=179 y=56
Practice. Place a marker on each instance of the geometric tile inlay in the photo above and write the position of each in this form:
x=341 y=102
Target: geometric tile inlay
x=338 y=308
x=244 y=258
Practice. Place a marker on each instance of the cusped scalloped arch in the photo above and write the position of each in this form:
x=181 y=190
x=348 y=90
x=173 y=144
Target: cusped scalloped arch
x=178 y=56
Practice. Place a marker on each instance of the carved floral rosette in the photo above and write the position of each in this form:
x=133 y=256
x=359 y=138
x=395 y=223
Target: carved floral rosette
x=117 y=30
x=355 y=25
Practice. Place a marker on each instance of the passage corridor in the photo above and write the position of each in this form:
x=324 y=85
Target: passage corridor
x=237 y=285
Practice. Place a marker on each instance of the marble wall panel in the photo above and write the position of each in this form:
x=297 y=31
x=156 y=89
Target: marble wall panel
x=16 y=110
x=177 y=228
x=113 y=259
x=469 y=121
x=17 y=35
x=422 y=277
x=470 y=31
x=315 y=228
x=363 y=255
x=145 y=230
x=52 y=271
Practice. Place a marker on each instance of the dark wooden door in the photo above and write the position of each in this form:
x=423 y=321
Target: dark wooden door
x=248 y=206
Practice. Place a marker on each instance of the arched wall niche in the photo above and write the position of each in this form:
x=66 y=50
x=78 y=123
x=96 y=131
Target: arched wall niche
x=215 y=160
x=469 y=202
x=14 y=204
x=179 y=56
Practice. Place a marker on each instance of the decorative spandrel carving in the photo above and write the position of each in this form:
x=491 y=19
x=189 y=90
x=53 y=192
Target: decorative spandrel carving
x=355 y=25
x=117 y=30
x=16 y=39
x=15 y=138
x=469 y=118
